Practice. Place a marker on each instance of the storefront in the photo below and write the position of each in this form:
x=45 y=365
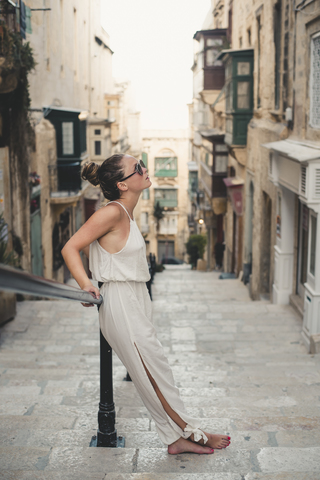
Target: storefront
x=295 y=169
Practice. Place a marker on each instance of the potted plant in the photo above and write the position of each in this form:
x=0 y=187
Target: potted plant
x=195 y=248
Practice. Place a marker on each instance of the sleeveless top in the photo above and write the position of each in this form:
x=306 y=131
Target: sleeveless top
x=127 y=265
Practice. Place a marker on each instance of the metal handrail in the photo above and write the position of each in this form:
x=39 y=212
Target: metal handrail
x=18 y=281
x=14 y=280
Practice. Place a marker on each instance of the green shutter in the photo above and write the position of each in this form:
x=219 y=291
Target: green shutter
x=28 y=20
x=166 y=166
x=144 y=157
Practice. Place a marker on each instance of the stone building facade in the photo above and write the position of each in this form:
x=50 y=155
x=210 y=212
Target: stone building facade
x=71 y=124
x=272 y=133
x=166 y=156
x=208 y=152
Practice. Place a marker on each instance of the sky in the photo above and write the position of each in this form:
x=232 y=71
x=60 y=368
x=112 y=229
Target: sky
x=152 y=42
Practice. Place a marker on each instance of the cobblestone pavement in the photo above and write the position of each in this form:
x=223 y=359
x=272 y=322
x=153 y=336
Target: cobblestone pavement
x=241 y=366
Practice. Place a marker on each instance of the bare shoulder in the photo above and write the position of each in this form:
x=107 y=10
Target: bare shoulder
x=111 y=213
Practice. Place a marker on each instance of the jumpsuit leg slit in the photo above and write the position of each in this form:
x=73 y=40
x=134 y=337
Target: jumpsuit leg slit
x=125 y=321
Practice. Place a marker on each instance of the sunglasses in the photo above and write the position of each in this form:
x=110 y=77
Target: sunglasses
x=138 y=169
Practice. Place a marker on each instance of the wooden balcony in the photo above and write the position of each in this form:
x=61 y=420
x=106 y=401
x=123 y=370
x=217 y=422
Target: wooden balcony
x=213 y=78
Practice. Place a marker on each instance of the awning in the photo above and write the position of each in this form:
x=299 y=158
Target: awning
x=297 y=151
x=233 y=181
x=230 y=51
x=212 y=134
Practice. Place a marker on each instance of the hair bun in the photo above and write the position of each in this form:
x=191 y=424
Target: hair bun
x=90 y=172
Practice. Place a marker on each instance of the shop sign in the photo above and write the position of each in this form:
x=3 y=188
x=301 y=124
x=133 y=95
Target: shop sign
x=236 y=194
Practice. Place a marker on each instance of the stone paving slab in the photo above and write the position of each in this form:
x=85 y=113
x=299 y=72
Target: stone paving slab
x=213 y=476
x=157 y=460
x=241 y=367
x=56 y=475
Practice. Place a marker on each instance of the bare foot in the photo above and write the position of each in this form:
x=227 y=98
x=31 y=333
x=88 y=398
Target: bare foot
x=183 y=446
x=217 y=441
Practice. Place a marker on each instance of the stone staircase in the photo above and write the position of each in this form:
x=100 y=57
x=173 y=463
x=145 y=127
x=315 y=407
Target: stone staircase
x=241 y=367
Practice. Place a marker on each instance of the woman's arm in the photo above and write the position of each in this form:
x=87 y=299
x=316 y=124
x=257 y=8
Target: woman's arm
x=99 y=224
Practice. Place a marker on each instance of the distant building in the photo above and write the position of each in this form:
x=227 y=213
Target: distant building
x=166 y=155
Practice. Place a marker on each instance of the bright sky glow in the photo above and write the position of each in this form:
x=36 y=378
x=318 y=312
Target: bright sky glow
x=153 y=45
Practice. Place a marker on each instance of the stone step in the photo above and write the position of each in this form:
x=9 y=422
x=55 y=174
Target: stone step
x=106 y=462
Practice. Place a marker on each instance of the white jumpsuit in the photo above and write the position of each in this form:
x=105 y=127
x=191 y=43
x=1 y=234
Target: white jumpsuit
x=126 y=322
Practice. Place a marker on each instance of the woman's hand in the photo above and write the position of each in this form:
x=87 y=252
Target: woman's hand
x=94 y=292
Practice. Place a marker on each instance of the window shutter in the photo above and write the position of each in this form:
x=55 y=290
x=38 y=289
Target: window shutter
x=317 y=183
x=314 y=82
x=303 y=180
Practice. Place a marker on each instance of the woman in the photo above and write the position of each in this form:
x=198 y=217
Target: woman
x=117 y=258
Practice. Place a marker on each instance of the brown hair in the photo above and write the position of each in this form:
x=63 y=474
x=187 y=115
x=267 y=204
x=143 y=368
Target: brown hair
x=107 y=175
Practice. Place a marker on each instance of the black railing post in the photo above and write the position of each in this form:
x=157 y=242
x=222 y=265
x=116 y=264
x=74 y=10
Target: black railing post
x=107 y=434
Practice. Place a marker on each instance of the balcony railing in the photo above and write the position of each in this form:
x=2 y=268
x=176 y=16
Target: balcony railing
x=69 y=175
x=218 y=186
x=167 y=202
x=213 y=78
x=65 y=176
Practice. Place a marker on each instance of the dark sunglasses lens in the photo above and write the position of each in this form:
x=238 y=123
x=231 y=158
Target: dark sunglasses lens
x=139 y=168
x=142 y=164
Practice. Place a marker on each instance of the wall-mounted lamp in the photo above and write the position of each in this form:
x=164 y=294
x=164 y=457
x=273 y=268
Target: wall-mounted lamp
x=83 y=115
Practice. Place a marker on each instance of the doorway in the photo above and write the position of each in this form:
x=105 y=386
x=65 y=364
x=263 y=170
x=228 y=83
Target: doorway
x=302 y=248
x=165 y=249
x=36 y=237
x=265 y=244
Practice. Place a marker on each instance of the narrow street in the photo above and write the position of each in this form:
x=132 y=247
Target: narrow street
x=241 y=366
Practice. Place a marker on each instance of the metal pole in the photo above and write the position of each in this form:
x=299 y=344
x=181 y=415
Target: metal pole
x=107 y=434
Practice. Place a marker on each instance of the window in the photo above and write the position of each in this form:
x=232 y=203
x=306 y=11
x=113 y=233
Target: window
x=243 y=95
x=144 y=218
x=97 y=147
x=193 y=181
x=213 y=46
x=277 y=47
x=67 y=138
x=166 y=197
x=166 y=167
x=97 y=132
x=221 y=163
x=258 y=59
x=146 y=194
x=313 y=244
x=28 y=20
x=239 y=94
x=315 y=82
x=249 y=36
